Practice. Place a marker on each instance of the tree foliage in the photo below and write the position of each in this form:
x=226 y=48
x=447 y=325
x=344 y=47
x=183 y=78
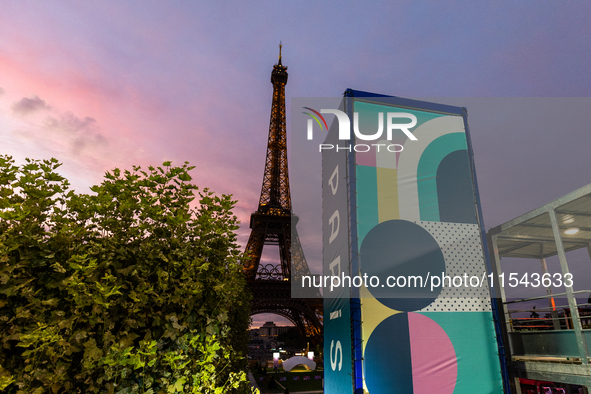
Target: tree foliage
x=126 y=290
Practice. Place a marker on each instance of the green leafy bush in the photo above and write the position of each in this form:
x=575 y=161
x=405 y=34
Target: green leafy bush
x=127 y=290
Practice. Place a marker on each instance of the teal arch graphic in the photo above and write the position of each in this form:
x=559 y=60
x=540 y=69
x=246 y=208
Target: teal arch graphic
x=455 y=191
x=432 y=156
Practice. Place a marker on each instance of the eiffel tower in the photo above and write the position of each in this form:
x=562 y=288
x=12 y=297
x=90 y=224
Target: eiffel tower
x=274 y=224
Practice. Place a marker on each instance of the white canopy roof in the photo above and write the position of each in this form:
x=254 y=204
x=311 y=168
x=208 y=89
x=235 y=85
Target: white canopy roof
x=531 y=236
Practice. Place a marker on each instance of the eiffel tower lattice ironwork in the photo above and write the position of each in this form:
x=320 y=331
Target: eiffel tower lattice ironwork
x=274 y=224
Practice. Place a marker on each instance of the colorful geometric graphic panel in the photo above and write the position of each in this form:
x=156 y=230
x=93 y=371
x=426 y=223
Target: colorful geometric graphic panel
x=417 y=216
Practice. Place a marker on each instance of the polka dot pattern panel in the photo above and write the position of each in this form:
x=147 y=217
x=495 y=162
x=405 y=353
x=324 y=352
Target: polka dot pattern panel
x=461 y=246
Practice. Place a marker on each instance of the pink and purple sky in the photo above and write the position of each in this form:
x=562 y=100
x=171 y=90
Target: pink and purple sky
x=108 y=84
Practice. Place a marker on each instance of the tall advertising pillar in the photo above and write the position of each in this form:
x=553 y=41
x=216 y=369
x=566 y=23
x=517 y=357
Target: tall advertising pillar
x=336 y=262
x=407 y=306
x=427 y=324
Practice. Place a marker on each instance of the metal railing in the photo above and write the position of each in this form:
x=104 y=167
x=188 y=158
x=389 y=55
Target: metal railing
x=558 y=317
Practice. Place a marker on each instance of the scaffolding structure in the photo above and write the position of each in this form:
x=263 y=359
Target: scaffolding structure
x=554 y=347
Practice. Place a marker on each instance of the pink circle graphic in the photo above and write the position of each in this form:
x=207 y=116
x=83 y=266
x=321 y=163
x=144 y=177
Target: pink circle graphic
x=434 y=363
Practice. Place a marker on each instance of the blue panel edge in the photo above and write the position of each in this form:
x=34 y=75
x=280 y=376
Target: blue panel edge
x=355 y=302
x=405 y=102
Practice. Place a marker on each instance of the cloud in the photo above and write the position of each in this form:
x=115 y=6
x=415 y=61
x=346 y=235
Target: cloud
x=2 y=91
x=26 y=105
x=70 y=123
x=92 y=141
x=83 y=133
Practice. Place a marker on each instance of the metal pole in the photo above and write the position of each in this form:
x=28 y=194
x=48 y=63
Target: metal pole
x=555 y=321
x=499 y=287
x=572 y=302
x=517 y=386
